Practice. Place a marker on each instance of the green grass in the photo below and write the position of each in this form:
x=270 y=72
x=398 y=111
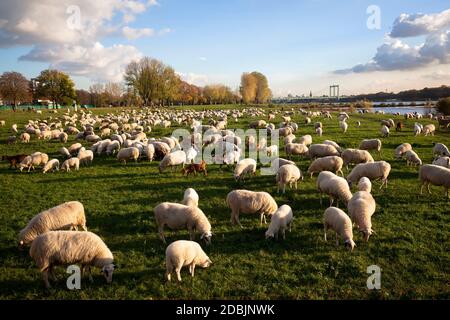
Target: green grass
x=411 y=246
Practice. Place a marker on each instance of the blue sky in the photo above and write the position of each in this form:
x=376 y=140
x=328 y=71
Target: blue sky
x=297 y=44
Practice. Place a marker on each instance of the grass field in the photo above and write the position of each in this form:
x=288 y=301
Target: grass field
x=411 y=246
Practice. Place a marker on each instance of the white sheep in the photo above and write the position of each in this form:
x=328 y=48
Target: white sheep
x=322 y=150
x=385 y=131
x=443 y=162
x=441 y=149
x=128 y=154
x=185 y=253
x=190 y=197
x=68 y=215
x=25 y=137
x=244 y=167
x=85 y=156
x=75 y=148
x=435 y=175
x=429 y=129
x=271 y=150
x=372 y=170
x=173 y=159
x=245 y=201
x=355 y=156
x=364 y=184
x=63 y=137
x=361 y=207
x=65 y=152
x=112 y=147
x=280 y=221
x=338 y=221
x=417 y=129
x=401 y=149
x=371 y=144
x=335 y=187
x=288 y=174
x=149 y=152
x=412 y=158
x=298 y=149
x=71 y=247
x=334 y=144
x=319 y=131
x=343 y=125
x=329 y=163
x=306 y=140
x=179 y=216
x=71 y=163
x=52 y=165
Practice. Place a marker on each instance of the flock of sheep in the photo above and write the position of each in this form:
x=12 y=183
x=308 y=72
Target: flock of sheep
x=53 y=235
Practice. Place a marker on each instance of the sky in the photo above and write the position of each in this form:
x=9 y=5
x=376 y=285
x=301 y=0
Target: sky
x=300 y=45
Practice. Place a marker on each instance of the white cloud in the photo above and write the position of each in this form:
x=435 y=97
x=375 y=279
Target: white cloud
x=202 y=58
x=395 y=54
x=412 y=25
x=194 y=78
x=45 y=26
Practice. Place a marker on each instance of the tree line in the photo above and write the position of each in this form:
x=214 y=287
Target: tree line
x=147 y=82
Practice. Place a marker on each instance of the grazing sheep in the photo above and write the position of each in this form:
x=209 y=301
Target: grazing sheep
x=173 y=159
x=435 y=175
x=412 y=158
x=71 y=163
x=271 y=150
x=68 y=215
x=14 y=160
x=75 y=148
x=319 y=131
x=179 y=216
x=338 y=221
x=63 y=137
x=306 y=140
x=34 y=160
x=161 y=150
x=335 y=187
x=417 y=129
x=14 y=128
x=384 y=131
x=295 y=149
x=358 y=124
x=128 y=154
x=11 y=139
x=245 y=201
x=25 y=137
x=65 y=152
x=289 y=139
x=443 y=162
x=334 y=144
x=344 y=126
x=71 y=247
x=149 y=151
x=441 y=149
x=329 y=163
x=244 y=167
x=112 y=147
x=372 y=170
x=355 y=156
x=322 y=150
x=364 y=184
x=280 y=221
x=52 y=165
x=190 y=197
x=401 y=149
x=361 y=207
x=429 y=129
x=288 y=174
x=185 y=253
x=371 y=144
x=258 y=124
x=85 y=156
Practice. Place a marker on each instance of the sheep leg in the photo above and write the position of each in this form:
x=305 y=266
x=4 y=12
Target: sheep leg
x=161 y=234
x=428 y=187
x=45 y=278
x=320 y=198
x=283 y=233
x=52 y=273
x=325 y=231
x=278 y=188
x=284 y=188
x=192 y=269
x=178 y=272
x=168 y=275
x=421 y=188
x=295 y=184
x=332 y=200
x=337 y=240
x=191 y=234
x=83 y=227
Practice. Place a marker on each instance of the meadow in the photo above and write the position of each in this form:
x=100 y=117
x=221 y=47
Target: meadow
x=411 y=245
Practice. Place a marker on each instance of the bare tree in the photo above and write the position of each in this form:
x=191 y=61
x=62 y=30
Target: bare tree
x=14 y=87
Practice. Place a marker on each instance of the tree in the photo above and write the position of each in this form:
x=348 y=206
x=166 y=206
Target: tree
x=56 y=86
x=255 y=88
x=14 y=87
x=83 y=97
x=263 y=93
x=98 y=98
x=113 y=93
x=443 y=106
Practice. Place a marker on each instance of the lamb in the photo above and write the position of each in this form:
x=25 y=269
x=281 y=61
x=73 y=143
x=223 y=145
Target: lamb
x=179 y=216
x=295 y=149
x=435 y=175
x=244 y=167
x=185 y=253
x=131 y=153
x=52 y=165
x=401 y=149
x=371 y=144
x=329 y=163
x=173 y=159
x=412 y=158
x=190 y=197
x=288 y=174
x=334 y=144
x=68 y=215
x=280 y=221
x=322 y=150
x=429 y=129
x=70 y=247
x=338 y=221
x=34 y=160
x=335 y=187
x=306 y=140
x=443 y=162
x=356 y=156
x=25 y=137
x=364 y=184
x=384 y=131
x=361 y=207
x=85 y=156
x=372 y=170
x=245 y=201
x=344 y=126
x=441 y=149
x=71 y=163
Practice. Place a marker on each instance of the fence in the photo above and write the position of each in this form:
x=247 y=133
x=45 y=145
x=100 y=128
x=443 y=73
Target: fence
x=41 y=107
